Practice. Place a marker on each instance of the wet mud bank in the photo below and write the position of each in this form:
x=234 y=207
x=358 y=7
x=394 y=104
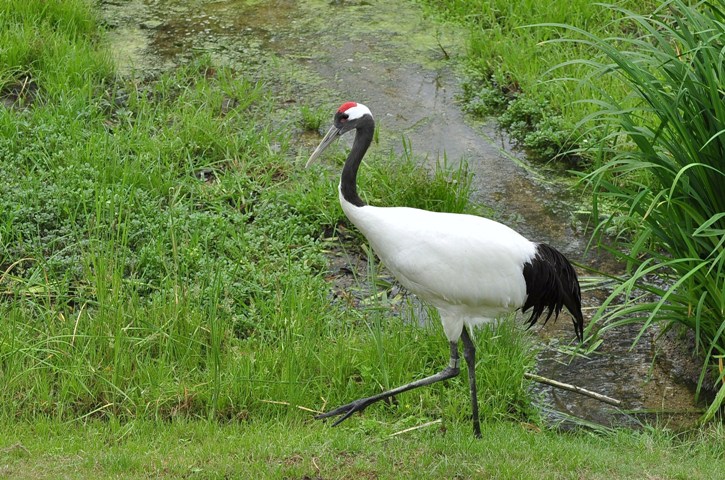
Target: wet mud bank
x=403 y=66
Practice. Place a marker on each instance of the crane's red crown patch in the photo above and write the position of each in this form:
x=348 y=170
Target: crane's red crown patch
x=346 y=106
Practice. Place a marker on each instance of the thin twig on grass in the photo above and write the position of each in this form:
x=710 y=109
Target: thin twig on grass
x=287 y=404
x=428 y=424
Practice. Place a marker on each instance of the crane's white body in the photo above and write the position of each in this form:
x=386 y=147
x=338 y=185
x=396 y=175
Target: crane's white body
x=468 y=267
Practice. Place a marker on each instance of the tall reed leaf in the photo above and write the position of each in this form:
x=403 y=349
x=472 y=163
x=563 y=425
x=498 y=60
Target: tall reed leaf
x=662 y=180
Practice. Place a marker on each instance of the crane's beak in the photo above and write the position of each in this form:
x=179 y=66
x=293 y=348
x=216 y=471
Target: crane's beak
x=330 y=137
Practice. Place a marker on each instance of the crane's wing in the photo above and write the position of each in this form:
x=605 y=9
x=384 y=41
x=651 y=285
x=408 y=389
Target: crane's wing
x=450 y=258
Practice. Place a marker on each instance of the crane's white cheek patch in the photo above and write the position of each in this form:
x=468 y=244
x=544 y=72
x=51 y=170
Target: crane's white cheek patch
x=357 y=111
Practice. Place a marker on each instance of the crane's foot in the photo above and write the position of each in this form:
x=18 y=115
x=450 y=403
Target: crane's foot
x=348 y=409
x=362 y=403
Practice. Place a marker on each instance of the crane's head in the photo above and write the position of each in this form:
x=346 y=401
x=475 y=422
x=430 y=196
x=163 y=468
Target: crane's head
x=348 y=117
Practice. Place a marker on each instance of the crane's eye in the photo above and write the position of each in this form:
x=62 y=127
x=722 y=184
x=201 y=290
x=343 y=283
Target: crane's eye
x=344 y=117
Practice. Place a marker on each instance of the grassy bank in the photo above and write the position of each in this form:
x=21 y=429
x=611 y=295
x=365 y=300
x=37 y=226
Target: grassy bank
x=518 y=71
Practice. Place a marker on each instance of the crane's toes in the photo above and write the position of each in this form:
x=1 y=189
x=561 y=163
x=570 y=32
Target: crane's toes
x=345 y=410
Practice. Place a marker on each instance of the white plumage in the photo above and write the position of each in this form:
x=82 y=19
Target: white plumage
x=435 y=256
x=470 y=268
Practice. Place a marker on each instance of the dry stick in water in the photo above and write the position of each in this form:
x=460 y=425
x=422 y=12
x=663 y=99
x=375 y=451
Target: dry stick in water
x=573 y=388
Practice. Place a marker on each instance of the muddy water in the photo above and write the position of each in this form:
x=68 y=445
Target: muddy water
x=402 y=66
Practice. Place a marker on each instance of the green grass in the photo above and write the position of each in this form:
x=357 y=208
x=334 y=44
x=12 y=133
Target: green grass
x=300 y=449
x=48 y=48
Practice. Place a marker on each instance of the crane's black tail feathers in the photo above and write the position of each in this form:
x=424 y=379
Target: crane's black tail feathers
x=552 y=283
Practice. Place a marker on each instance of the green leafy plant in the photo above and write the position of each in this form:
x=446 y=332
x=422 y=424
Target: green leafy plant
x=662 y=182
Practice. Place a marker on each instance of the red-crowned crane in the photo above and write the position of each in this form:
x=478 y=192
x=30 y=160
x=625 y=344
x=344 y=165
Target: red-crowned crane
x=470 y=268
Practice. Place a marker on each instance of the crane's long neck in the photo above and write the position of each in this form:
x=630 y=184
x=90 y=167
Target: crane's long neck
x=348 y=180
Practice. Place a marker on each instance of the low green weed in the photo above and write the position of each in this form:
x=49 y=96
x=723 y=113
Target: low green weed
x=312 y=119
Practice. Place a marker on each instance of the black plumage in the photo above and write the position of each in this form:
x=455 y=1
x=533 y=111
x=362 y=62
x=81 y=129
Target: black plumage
x=552 y=283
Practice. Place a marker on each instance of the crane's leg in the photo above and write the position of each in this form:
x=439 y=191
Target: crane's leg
x=469 y=353
x=359 y=405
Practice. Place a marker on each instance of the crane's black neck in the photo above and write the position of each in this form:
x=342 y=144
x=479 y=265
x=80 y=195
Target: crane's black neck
x=363 y=138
